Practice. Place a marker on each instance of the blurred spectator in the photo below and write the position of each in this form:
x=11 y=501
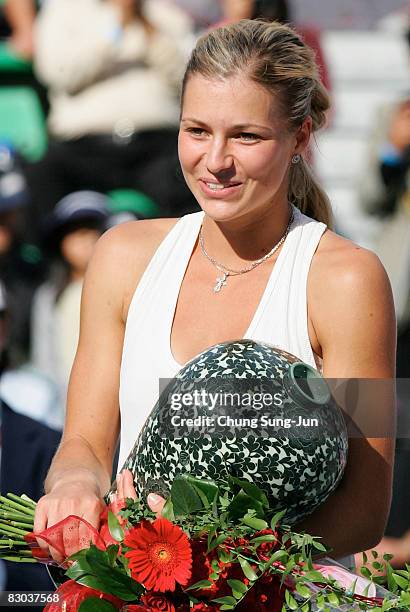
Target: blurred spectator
x=203 y=14
x=385 y=192
x=71 y=232
x=277 y=10
x=20 y=264
x=253 y=9
x=113 y=71
x=20 y=15
x=27 y=448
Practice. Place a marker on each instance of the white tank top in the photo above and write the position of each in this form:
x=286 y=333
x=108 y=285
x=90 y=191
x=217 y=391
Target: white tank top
x=280 y=318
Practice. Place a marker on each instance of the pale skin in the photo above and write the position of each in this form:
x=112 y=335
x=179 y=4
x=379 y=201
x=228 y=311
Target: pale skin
x=231 y=132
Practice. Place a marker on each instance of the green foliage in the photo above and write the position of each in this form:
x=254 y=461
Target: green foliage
x=95 y=604
x=236 y=527
x=99 y=569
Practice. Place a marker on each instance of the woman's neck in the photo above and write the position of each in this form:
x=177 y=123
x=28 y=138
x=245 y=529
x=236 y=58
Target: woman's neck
x=241 y=241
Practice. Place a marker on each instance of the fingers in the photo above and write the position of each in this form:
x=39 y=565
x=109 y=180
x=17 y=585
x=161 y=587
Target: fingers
x=40 y=523
x=156 y=503
x=128 y=485
x=125 y=485
x=73 y=499
x=120 y=487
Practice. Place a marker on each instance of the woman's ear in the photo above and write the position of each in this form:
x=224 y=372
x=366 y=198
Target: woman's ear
x=303 y=135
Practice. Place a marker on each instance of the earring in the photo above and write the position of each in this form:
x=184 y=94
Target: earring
x=296 y=159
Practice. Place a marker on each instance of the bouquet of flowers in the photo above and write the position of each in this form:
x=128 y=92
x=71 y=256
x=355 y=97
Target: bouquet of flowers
x=215 y=547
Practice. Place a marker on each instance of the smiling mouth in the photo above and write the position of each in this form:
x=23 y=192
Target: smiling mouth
x=220 y=186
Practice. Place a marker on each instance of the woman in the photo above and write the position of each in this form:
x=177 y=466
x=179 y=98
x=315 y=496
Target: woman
x=249 y=261
x=70 y=234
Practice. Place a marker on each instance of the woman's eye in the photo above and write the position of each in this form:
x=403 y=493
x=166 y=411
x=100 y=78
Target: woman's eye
x=248 y=136
x=196 y=131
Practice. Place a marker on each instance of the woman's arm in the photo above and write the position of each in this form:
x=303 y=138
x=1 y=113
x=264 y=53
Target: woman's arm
x=81 y=470
x=352 y=315
x=20 y=15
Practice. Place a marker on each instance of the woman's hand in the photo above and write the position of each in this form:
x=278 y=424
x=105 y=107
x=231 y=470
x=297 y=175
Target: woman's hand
x=79 y=498
x=156 y=503
x=125 y=488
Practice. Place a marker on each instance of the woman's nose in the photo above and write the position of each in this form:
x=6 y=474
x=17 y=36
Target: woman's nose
x=218 y=158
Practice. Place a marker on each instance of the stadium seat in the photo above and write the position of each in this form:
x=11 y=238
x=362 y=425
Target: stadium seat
x=22 y=121
x=136 y=202
x=10 y=62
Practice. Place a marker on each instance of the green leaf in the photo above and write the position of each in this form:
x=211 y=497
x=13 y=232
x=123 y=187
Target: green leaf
x=314 y=576
x=95 y=604
x=391 y=584
x=112 y=552
x=76 y=571
x=333 y=599
x=291 y=601
x=238 y=586
x=255 y=523
x=184 y=498
x=208 y=487
x=251 y=489
x=102 y=585
x=224 y=556
x=400 y=581
x=228 y=601
x=275 y=520
x=319 y=546
x=81 y=565
x=366 y=572
x=219 y=540
x=240 y=505
x=278 y=555
x=202 y=497
x=113 y=580
x=168 y=510
x=265 y=538
x=303 y=590
x=247 y=569
x=201 y=584
x=114 y=527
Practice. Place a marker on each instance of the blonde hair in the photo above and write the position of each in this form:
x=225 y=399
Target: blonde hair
x=273 y=56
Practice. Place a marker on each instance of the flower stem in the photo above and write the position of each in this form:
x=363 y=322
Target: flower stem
x=27 y=499
x=12 y=530
x=18 y=506
x=21 y=559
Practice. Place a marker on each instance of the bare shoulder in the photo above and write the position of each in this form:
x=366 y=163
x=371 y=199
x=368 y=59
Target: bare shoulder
x=135 y=239
x=350 y=310
x=341 y=265
x=123 y=253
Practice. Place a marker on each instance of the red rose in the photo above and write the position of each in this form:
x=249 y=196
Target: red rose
x=157 y=602
x=135 y=608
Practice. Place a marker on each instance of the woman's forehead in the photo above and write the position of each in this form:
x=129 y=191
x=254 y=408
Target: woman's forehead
x=235 y=98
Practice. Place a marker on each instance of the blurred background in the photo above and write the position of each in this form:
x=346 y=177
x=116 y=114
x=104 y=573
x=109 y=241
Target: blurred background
x=89 y=97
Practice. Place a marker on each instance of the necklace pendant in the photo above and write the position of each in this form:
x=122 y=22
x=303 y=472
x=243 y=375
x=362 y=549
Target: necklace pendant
x=220 y=282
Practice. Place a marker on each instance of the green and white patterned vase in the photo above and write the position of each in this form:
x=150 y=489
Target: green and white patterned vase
x=296 y=454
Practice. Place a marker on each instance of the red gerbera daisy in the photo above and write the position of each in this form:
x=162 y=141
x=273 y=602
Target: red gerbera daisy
x=161 y=555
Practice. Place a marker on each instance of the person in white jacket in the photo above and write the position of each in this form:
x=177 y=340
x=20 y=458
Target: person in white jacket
x=112 y=68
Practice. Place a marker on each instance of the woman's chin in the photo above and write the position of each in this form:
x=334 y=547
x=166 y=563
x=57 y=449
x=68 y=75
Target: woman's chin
x=221 y=210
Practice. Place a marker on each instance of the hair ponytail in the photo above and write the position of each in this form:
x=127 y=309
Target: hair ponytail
x=306 y=193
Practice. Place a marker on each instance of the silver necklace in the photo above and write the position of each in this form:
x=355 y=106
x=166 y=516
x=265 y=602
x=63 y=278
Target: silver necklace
x=222 y=280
